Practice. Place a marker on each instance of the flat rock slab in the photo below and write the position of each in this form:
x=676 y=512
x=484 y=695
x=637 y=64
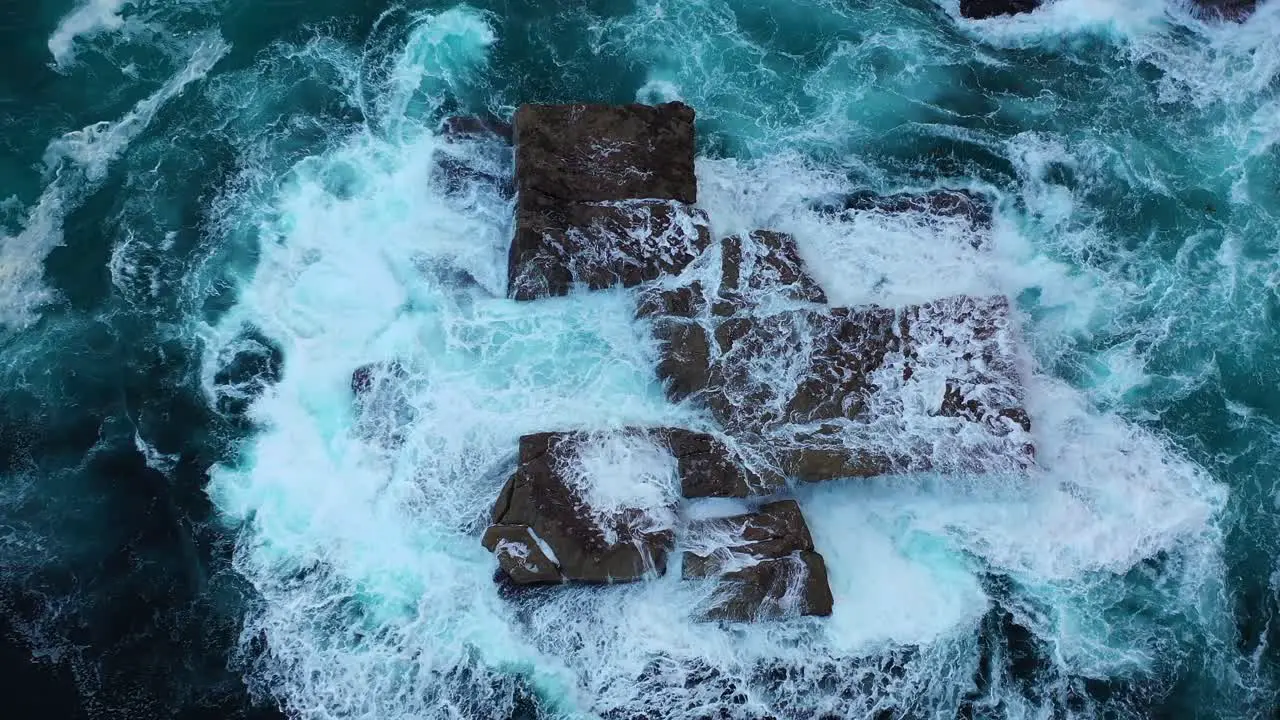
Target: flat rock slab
x=765 y=563
x=599 y=507
x=595 y=153
x=605 y=197
x=844 y=392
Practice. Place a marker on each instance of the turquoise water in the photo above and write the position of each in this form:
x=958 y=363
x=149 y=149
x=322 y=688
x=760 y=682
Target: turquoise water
x=213 y=210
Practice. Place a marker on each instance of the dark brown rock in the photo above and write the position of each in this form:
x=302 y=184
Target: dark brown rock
x=600 y=245
x=622 y=547
x=686 y=357
x=767 y=263
x=520 y=556
x=682 y=302
x=761 y=570
x=543 y=530
x=981 y=9
x=1231 y=10
x=708 y=469
x=769 y=379
x=605 y=197
x=594 y=153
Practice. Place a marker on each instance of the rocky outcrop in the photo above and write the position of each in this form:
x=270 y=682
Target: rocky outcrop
x=605 y=197
x=544 y=528
x=1232 y=10
x=765 y=563
x=842 y=392
x=981 y=9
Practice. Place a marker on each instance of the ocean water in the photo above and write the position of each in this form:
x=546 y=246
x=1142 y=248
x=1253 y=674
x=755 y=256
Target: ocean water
x=212 y=211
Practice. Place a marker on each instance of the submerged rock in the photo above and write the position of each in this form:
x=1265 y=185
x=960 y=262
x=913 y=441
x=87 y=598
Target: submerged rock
x=476 y=126
x=981 y=9
x=965 y=204
x=765 y=562
x=605 y=197
x=247 y=366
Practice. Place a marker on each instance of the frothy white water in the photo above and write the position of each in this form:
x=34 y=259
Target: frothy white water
x=75 y=164
x=378 y=599
x=90 y=18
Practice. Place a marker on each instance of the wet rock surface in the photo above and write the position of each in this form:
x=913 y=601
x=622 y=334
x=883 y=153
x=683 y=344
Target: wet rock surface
x=543 y=529
x=981 y=9
x=765 y=563
x=1232 y=10
x=605 y=197
x=846 y=391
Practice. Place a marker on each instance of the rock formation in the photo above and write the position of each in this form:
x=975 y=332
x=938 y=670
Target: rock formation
x=544 y=528
x=981 y=9
x=1232 y=10
x=839 y=392
x=765 y=563
x=605 y=197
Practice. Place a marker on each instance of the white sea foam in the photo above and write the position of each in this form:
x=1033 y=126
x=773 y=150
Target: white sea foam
x=378 y=599
x=75 y=164
x=90 y=18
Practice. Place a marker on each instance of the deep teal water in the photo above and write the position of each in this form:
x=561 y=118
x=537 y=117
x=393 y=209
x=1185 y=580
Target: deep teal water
x=203 y=199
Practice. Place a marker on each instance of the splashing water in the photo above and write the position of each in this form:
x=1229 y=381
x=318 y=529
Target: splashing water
x=1130 y=154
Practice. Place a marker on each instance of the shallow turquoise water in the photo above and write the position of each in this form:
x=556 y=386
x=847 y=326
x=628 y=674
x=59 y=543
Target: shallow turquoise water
x=191 y=183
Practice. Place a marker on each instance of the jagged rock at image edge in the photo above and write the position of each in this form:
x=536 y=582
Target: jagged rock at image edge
x=544 y=530
x=472 y=126
x=982 y=9
x=765 y=564
x=605 y=197
x=1231 y=10
x=818 y=389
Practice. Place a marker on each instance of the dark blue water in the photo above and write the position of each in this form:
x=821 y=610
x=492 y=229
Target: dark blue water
x=212 y=210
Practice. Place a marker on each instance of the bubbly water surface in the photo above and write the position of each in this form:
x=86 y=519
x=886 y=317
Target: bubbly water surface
x=215 y=210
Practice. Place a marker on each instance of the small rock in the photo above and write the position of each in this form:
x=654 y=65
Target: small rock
x=768 y=557
x=981 y=9
x=1229 y=10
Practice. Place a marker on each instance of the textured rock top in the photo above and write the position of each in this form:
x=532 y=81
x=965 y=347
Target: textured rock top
x=594 y=153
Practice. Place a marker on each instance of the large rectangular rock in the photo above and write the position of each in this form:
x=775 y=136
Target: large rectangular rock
x=846 y=391
x=605 y=197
